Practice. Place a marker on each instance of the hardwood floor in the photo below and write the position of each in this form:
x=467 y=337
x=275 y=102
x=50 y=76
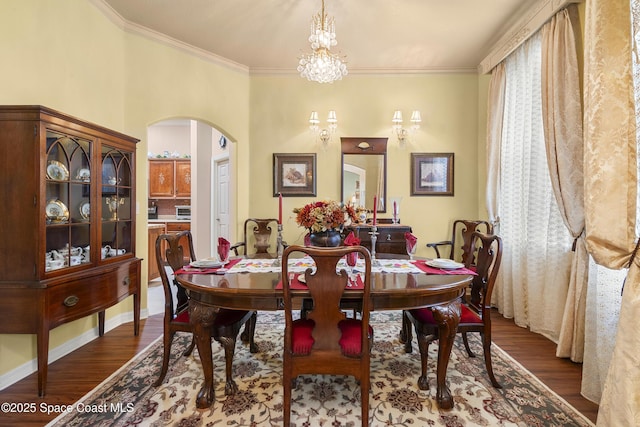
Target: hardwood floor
x=73 y=376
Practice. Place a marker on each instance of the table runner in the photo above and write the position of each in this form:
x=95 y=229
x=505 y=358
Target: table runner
x=300 y=265
x=294 y=283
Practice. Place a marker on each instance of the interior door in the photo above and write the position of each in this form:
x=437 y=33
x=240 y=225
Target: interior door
x=221 y=197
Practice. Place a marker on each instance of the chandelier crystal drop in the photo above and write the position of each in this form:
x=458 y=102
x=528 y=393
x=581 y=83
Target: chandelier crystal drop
x=321 y=65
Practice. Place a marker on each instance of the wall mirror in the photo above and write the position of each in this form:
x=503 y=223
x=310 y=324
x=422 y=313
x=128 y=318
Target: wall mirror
x=364 y=172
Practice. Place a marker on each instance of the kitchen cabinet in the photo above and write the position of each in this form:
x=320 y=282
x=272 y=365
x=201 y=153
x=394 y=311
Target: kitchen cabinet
x=68 y=227
x=176 y=227
x=168 y=226
x=155 y=230
x=169 y=178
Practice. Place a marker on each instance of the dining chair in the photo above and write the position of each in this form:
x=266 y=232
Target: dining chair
x=170 y=256
x=258 y=233
x=461 y=232
x=475 y=315
x=326 y=341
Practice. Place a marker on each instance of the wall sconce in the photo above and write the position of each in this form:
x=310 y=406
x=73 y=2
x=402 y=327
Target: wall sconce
x=401 y=132
x=324 y=134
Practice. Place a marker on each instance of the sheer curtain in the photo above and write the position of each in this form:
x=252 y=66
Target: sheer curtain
x=534 y=276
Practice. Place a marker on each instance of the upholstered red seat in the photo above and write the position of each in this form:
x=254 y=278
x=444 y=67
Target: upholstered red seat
x=425 y=315
x=350 y=339
x=326 y=341
x=301 y=336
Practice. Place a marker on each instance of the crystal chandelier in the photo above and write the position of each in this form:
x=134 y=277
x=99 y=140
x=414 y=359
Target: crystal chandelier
x=321 y=65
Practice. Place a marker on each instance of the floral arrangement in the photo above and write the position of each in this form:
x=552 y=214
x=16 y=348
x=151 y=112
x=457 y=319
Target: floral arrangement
x=324 y=215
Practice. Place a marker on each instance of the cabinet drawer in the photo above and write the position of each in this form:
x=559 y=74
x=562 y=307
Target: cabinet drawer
x=178 y=226
x=127 y=280
x=79 y=298
x=390 y=240
x=394 y=236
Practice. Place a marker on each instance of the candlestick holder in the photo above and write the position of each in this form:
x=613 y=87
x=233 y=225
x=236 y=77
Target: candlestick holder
x=374 y=238
x=279 y=247
x=394 y=202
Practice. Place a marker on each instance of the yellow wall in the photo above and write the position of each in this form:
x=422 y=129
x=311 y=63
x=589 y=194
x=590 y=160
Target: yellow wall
x=68 y=56
x=280 y=108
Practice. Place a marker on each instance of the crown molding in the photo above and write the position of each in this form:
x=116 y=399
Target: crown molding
x=531 y=22
x=371 y=71
x=134 y=28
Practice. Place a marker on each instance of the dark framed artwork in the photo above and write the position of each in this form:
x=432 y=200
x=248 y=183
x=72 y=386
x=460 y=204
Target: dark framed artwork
x=432 y=174
x=294 y=174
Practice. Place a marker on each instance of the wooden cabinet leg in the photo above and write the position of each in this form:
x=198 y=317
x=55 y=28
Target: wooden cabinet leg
x=136 y=313
x=101 y=323
x=43 y=360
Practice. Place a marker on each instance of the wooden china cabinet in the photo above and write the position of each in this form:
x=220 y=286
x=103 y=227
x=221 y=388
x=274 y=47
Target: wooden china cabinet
x=68 y=223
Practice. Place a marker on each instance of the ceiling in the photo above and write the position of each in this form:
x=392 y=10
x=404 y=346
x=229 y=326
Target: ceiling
x=377 y=36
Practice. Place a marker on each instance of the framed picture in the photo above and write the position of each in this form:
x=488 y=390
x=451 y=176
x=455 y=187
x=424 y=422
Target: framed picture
x=294 y=174
x=432 y=174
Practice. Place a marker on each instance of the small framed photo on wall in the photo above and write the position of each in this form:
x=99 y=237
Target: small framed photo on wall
x=294 y=174
x=432 y=174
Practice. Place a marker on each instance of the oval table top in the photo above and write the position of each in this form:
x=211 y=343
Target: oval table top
x=258 y=291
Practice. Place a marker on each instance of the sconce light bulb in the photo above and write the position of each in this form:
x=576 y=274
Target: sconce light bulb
x=397 y=117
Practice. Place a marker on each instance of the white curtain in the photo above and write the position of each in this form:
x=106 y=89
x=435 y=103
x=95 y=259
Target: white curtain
x=562 y=118
x=534 y=275
x=604 y=296
x=495 y=117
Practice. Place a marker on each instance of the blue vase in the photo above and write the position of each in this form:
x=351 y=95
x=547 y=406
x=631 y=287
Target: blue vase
x=329 y=238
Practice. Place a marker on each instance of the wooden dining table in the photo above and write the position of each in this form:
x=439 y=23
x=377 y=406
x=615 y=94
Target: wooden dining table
x=260 y=291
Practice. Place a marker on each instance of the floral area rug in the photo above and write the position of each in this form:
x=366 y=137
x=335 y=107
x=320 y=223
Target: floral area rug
x=128 y=397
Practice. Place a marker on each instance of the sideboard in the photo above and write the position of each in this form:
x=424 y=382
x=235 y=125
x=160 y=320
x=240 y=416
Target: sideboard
x=391 y=238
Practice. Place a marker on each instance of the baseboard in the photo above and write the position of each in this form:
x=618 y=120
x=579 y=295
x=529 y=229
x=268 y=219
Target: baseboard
x=70 y=346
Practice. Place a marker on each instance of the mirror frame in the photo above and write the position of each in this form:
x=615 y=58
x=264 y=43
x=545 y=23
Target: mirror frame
x=364 y=146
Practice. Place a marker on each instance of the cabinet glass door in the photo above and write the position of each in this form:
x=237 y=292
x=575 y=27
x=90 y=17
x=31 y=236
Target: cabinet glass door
x=67 y=206
x=117 y=204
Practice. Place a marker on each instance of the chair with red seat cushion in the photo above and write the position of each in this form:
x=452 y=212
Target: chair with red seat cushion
x=461 y=235
x=475 y=315
x=326 y=341
x=170 y=254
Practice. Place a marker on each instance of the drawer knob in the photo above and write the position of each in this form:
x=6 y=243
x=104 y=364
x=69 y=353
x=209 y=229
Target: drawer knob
x=388 y=237
x=70 y=301
x=126 y=281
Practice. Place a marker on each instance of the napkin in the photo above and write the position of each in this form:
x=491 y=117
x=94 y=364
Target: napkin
x=223 y=248
x=411 y=241
x=351 y=240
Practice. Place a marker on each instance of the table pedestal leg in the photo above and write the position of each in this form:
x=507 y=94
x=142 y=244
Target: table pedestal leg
x=202 y=318
x=448 y=317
